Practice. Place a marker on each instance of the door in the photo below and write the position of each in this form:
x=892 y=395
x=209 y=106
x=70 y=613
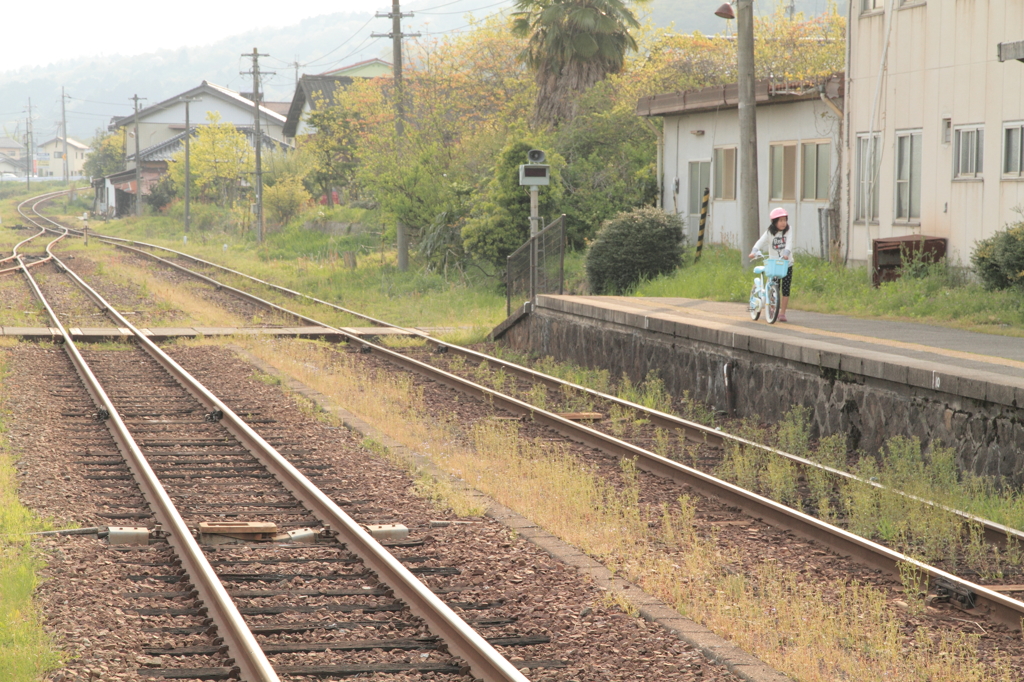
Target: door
x=700 y=179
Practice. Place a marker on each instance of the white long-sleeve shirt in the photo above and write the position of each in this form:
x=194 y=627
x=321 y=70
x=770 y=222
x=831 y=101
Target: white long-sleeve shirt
x=782 y=241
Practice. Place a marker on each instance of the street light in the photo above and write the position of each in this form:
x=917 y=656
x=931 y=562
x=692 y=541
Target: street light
x=749 y=219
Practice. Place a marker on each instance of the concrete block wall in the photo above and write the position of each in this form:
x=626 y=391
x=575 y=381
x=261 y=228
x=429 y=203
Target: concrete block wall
x=869 y=396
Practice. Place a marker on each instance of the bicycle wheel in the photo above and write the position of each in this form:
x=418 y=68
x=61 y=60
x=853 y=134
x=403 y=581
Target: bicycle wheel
x=754 y=304
x=772 y=309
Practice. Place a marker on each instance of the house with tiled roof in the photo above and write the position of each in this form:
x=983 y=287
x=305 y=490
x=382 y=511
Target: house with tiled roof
x=312 y=90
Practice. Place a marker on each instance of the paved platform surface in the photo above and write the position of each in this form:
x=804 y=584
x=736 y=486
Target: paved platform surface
x=957 y=348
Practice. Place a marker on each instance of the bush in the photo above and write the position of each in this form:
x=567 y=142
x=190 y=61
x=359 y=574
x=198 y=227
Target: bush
x=999 y=260
x=633 y=246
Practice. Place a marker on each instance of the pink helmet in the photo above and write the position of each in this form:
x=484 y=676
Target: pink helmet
x=778 y=213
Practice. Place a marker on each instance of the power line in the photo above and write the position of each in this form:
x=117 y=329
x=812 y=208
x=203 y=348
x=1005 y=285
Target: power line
x=358 y=48
x=476 y=9
x=347 y=41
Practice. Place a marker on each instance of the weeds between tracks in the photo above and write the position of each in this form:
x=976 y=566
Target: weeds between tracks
x=821 y=631
x=927 y=532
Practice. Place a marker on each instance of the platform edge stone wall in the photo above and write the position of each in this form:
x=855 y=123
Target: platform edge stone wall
x=868 y=396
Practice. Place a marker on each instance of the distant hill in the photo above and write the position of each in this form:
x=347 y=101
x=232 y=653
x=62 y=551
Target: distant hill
x=100 y=87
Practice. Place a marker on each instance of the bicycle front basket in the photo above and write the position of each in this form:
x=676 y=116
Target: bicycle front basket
x=776 y=267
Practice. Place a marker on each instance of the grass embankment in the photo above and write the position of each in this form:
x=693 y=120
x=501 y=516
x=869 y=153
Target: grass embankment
x=929 y=294
x=26 y=651
x=467 y=304
x=815 y=631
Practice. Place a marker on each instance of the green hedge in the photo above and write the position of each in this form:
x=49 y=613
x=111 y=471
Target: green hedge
x=634 y=246
x=999 y=260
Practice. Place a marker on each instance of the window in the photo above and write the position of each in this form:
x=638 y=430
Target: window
x=1013 y=150
x=782 y=158
x=871 y=5
x=817 y=169
x=868 y=159
x=700 y=178
x=968 y=150
x=908 y=176
x=725 y=173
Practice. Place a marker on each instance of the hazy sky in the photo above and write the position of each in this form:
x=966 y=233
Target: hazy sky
x=80 y=29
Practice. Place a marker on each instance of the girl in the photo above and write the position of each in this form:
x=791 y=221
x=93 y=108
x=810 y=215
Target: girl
x=781 y=239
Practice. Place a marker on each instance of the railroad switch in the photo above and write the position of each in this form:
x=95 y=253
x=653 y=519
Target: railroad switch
x=955 y=594
x=387 y=531
x=128 y=535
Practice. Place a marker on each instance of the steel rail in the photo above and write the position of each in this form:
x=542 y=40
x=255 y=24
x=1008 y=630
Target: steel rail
x=995 y=533
x=1004 y=609
x=250 y=660
x=483 y=660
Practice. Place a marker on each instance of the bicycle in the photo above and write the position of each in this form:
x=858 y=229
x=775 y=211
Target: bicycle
x=765 y=294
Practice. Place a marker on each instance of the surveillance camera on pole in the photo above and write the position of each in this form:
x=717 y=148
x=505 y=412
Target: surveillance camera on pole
x=535 y=175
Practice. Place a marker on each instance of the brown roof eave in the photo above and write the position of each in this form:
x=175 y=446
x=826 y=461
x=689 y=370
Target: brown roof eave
x=727 y=96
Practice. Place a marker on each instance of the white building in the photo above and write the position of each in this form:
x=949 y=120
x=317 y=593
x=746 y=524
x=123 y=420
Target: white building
x=50 y=157
x=947 y=116
x=160 y=122
x=798 y=156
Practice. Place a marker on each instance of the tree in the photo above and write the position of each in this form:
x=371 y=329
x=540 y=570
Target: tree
x=572 y=44
x=107 y=155
x=285 y=199
x=332 y=148
x=220 y=160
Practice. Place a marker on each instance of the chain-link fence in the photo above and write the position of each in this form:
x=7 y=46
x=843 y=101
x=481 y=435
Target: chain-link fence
x=538 y=266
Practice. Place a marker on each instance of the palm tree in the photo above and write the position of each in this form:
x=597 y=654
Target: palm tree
x=572 y=45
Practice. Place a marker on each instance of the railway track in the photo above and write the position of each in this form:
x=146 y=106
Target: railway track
x=999 y=606
x=178 y=445
x=972 y=597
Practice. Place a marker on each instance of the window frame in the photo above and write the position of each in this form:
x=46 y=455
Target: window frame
x=719 y=191
x=792 y=175
x=818 y=195
x=1019 y=173
x=872 y=7
x=874 y=183
x=977 y=163
x=912 y=182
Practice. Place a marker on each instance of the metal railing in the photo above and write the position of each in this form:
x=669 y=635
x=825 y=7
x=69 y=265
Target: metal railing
x=538 y=266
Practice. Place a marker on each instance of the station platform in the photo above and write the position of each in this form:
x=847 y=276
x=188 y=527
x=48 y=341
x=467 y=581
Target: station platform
x=869 y=378
x=165 y=333
x=971 y=364
x=966 y=350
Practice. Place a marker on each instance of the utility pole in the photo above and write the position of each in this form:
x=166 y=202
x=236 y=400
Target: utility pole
x=791 y=10
x=255 y=55
x=396 y=36
x=188 y=174
x=138 y=160
x=28 y=147
x=749 y=217
x=64 y=134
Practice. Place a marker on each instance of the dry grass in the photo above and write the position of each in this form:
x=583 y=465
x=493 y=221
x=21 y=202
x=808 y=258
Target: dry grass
x=815 y=631
x=171 y=296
